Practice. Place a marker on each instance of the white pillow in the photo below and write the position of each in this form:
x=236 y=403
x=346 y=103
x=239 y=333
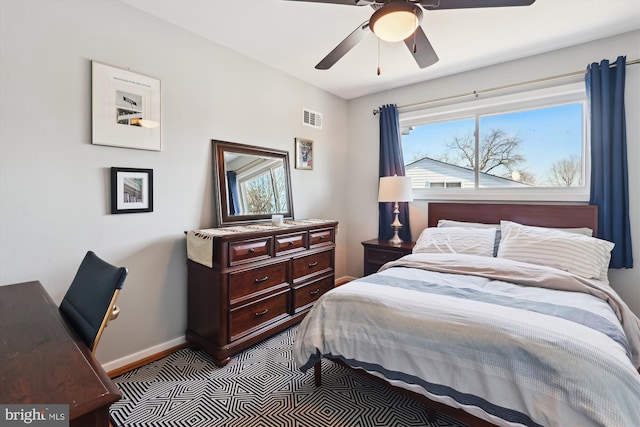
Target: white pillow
x=576 y=253
x=457 y=240
x=452 y=223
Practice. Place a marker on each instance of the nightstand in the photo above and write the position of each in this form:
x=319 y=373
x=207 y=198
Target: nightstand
x=379 y=252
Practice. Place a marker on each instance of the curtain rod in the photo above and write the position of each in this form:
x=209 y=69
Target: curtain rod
x=478 y=92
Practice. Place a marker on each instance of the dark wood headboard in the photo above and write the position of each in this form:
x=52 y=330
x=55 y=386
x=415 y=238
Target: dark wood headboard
x=557 y=216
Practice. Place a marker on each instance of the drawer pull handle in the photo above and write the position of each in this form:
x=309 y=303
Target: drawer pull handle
x=313 y=264
x=322 y=237
x=262 y=313
x=314 y=292
x=251 y=250
x=291 y=243
x=261 y=279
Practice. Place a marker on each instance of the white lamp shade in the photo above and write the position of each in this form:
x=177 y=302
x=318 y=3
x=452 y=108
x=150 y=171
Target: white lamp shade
x=395 y=189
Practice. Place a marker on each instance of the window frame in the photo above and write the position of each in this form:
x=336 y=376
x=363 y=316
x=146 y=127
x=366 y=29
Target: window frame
x=505 y=104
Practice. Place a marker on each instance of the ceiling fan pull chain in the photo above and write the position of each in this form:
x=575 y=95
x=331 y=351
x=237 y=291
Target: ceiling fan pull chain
x=415 y=45
x=378 y=56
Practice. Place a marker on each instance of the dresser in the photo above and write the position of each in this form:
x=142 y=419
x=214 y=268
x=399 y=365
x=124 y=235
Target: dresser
x=246 y=283
x=379 y=252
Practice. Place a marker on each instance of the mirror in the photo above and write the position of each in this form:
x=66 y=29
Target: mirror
x=251 y=183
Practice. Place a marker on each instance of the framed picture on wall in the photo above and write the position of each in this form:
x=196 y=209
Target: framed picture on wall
x=131 y=190
x=125 y=108
x=304 y=154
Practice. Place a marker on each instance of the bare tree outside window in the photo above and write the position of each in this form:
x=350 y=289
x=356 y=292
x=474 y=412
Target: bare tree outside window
x=259 y=192
x=499 y=155
x=281 y=189
x=566 y=172
x=267 y=192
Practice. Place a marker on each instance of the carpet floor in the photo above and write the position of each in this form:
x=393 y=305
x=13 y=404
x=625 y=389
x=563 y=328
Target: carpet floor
x=260 y=387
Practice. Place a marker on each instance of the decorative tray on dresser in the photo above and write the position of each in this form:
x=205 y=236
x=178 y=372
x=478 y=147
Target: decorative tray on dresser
x=246 y=283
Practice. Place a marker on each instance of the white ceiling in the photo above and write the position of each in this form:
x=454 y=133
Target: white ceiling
x=293 y=36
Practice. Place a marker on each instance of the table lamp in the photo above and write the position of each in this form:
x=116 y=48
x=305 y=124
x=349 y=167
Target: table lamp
x=395 y=189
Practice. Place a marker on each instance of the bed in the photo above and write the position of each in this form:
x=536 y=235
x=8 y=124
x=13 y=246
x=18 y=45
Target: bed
x=510 y=326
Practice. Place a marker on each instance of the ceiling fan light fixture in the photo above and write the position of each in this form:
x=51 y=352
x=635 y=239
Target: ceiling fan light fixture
x=395 y=21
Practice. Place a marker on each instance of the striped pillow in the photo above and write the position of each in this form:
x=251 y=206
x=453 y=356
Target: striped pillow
x=456 y=240
x=575 y=253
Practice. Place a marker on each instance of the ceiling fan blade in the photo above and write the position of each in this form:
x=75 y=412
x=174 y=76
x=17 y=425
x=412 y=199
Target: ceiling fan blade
x=464 y=4
x=345 y=2
x=422 y=51
x=345 y=46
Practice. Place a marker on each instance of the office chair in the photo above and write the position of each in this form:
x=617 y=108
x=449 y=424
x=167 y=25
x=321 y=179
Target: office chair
x=89 y=303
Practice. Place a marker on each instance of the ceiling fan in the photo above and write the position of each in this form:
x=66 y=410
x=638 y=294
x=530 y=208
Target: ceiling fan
x=399 y=20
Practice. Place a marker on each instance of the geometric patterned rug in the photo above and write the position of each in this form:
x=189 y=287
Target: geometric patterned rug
x=260 y=387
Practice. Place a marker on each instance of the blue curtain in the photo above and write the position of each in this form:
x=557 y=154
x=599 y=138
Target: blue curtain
x=391 y=163
x=234 y=200
x=609 y=183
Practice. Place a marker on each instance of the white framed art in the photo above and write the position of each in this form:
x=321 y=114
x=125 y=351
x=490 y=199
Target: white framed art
x=304 y=154
x=125 y=108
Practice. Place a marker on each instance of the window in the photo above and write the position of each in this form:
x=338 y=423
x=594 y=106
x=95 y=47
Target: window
x=262 y=187
x=527 y=146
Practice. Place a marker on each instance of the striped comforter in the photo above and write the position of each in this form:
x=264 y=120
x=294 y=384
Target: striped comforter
x=544 y=352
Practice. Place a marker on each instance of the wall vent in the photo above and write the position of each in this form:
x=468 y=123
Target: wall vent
x=311 y=118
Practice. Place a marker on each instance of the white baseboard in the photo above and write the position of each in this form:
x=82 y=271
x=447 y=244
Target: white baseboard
x=140 y=355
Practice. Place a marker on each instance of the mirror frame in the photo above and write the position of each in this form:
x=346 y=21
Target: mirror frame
x=220 y=182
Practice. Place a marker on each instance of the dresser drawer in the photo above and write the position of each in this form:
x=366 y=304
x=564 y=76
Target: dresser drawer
x=321 y=237
x=249 y=250
x=256 y=280
x=288 y=243
x=246 y=319
x=305 y=296
x=312 y=264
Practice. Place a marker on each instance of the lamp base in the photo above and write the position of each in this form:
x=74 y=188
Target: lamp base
x=396 y=225
x=395 y=240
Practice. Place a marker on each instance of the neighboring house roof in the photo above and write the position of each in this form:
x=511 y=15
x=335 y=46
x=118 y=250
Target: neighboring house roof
x=428 y=170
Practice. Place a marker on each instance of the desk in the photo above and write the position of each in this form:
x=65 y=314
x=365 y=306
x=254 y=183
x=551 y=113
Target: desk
x=42 y=361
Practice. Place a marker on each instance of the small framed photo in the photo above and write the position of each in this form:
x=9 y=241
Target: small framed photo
x=125 y=108
x=131 y=190
x=304 y=154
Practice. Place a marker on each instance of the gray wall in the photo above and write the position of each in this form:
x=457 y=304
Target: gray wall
x=363 y=140
x=54 y=184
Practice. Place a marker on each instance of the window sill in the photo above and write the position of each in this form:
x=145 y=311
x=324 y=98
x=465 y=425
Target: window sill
x=575 y=194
